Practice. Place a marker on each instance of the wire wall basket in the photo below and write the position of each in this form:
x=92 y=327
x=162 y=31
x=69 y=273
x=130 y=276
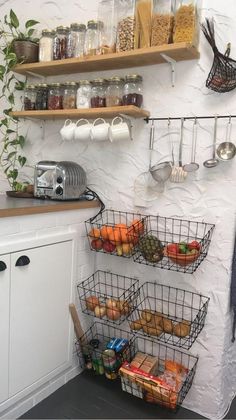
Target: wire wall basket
x=170 y=315
x=108 y=296
x=158 y=374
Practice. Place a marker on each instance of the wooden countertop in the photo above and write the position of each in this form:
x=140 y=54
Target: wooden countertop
x=10 y=206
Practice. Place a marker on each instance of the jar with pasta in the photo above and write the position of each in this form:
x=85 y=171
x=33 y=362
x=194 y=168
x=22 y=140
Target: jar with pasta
x=107 y=18
x=126 y=27
x=185 y=29
x=143 y=23
x=162 y=23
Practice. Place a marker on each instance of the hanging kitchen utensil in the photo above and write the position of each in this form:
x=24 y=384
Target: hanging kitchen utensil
x=226 y=150
x=161 y=171
x=211 y=163
x=193 y=165
x=178 y=174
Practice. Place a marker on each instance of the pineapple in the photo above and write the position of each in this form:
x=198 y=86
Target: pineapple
x=151 y=248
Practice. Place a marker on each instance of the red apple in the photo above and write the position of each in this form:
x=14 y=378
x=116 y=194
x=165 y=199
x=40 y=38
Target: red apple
x=97 y=244
x=108 y=246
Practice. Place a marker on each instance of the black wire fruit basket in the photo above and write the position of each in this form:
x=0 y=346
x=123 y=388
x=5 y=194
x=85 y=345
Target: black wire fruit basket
x=108 y=296
x=170 y=315
x=173 y=244
x=104 y=348
x=158 y=374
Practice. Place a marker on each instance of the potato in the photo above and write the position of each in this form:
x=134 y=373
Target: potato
x=138 y=324
x=151 y=329
x=167 y=325
x=146 y=314
x=123 y=306
x=182 y=329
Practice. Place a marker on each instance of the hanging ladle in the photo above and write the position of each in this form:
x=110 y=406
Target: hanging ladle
x=193 y=166
x=227 y=150
x=211 y=163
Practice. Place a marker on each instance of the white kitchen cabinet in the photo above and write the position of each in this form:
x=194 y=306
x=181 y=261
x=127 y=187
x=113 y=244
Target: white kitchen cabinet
x=4 y=324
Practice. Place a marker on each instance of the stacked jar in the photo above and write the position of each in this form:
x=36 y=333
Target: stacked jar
x=76 y=40
x=69 y=95
x=46 y=45
x=133 y=90
x=55 y=96
x=60 y=43
x=98 y=93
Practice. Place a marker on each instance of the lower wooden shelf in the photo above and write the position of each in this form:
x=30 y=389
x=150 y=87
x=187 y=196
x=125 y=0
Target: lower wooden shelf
x=90 y=113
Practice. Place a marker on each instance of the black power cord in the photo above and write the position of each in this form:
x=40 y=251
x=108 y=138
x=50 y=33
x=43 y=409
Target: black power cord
x=91 y=195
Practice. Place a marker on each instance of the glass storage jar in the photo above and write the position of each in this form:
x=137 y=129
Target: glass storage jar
x=186 y=28
x=60 y=43
x=133 y=90
x=76 y=40
x=162 y=22
x=143 y=23
x=83 y=94
x=92 y=38
x=108 y=17
x=41 y=96
x=30 y=98
x=69 y=95
x=126 y=28
x=98 y=93
x=114 y=91
x=46 y=45
x=54 y=96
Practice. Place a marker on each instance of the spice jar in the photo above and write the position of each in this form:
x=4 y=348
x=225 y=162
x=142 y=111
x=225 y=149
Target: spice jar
x=69 y=95
x=76 y=40
x=133 y=90
x=30 y=98
x=107 y=17
x=41 y=96
x=162 y=22
x=83 y=94
x=92 y=38
x=60 y=43
x=114 y=91
x=98 y=93
x=54 y=96
x=46 y=45
x=185 y=29
x=126 y=27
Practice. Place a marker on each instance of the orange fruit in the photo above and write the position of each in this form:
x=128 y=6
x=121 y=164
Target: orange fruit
x=104 y=232
x=94 y=233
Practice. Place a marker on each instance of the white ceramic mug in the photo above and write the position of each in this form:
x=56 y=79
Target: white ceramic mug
x=82 y=131
x=119 y=130
x=99 y=132
x=67 y=131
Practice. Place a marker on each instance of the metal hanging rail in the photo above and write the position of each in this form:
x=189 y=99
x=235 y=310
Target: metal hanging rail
x=207 y=117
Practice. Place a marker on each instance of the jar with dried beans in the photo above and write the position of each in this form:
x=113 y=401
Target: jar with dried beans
x=41 y=96
x=126 y=25
x=54 y=96
x=60 y=43
x=69 y=95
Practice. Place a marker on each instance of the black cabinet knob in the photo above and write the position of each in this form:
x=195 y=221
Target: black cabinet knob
x=59 y=190
x=23 y=260
x=59 y=180
x=2 y=266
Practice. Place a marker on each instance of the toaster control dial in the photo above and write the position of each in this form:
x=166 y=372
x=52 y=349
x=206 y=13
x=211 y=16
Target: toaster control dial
x=59 y=179
x=59 y=190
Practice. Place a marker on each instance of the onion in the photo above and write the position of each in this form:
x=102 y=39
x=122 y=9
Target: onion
x=111 y=303
x=100 y=311
x=92 y=302
x=113 y=314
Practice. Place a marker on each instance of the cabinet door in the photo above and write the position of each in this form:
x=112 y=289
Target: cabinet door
x=4 y=324
x=39 y=315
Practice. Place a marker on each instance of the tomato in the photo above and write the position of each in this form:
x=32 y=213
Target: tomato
x=174 y=248
x=194 y=245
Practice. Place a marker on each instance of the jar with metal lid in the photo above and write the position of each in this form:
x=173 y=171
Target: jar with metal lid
x=107 y=15
x=83 y=94
x=41 y=96
x=92 y=38
x=76 y=39
x=114 y=91
x=69 y=95
x=46 y=45
x=30 y=98
x=98 y=93
x=133 y=90
x=60 y=43
x=54 y=96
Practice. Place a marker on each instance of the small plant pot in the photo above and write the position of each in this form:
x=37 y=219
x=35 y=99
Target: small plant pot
x=26 y=51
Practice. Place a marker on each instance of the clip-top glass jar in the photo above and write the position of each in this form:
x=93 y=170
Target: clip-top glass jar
x=114 y=91
x=186 y=27
x=92 y=38
x=162 y=22
x=69 y=95
x=30 y=98
x=76 y=40
x=41 y=96
x=83 y=94
x=54 y=96
x=46 y=45
x=133 y=90
x=60 y=43
x=98 y=93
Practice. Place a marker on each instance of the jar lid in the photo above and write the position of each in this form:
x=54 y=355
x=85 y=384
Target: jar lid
x=55 y=84
x=84 y=82
x=99 y=81
x=78 y=27
x=31 y=87
x=62 y=29
x=116 y=79
x=134 y=78
x=42 y=85
x=47 y=32
x=92 y=24
x=69 y=84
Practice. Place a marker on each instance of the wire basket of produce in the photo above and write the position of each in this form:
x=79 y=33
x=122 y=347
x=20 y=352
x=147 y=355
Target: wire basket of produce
x=108 y=296
x=173 y=316
x=173 y=244
x=115 y=232
x=158 y=374
x=105 y=348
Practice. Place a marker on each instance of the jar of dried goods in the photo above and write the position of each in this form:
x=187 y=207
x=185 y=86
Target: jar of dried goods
x=30 y=98
x=126 y=28
x=83 y=94
x=69 y=95
x=76 y=39
x=107 y=16
x=185 y=29
x=55 y=96
x=162 y=22
x=92 y=38
x=98 y=93
x=133 y=90
x=41 y=96
x=114 y=91
x=60 y=43
x=143 y=23
x=46 y=45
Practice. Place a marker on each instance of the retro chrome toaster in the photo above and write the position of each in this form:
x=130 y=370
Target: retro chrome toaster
x=59 y=180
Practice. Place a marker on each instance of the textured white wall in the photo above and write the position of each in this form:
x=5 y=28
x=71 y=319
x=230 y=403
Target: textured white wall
x=208 y=195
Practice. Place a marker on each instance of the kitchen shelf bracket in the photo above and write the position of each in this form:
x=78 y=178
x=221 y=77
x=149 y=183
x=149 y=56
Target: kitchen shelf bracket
x=38 y=76
x=172 y=63
x=130 y=121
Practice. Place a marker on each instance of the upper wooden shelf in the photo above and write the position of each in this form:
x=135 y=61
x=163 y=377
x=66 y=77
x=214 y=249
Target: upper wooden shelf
x=89 y=113
x=135 y=58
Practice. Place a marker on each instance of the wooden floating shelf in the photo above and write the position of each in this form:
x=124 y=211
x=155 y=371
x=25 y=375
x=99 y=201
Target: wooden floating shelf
x=90 y=113
x=135 y=58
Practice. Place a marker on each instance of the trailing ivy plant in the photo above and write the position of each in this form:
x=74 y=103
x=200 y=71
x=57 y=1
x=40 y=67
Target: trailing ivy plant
x=12 y=142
